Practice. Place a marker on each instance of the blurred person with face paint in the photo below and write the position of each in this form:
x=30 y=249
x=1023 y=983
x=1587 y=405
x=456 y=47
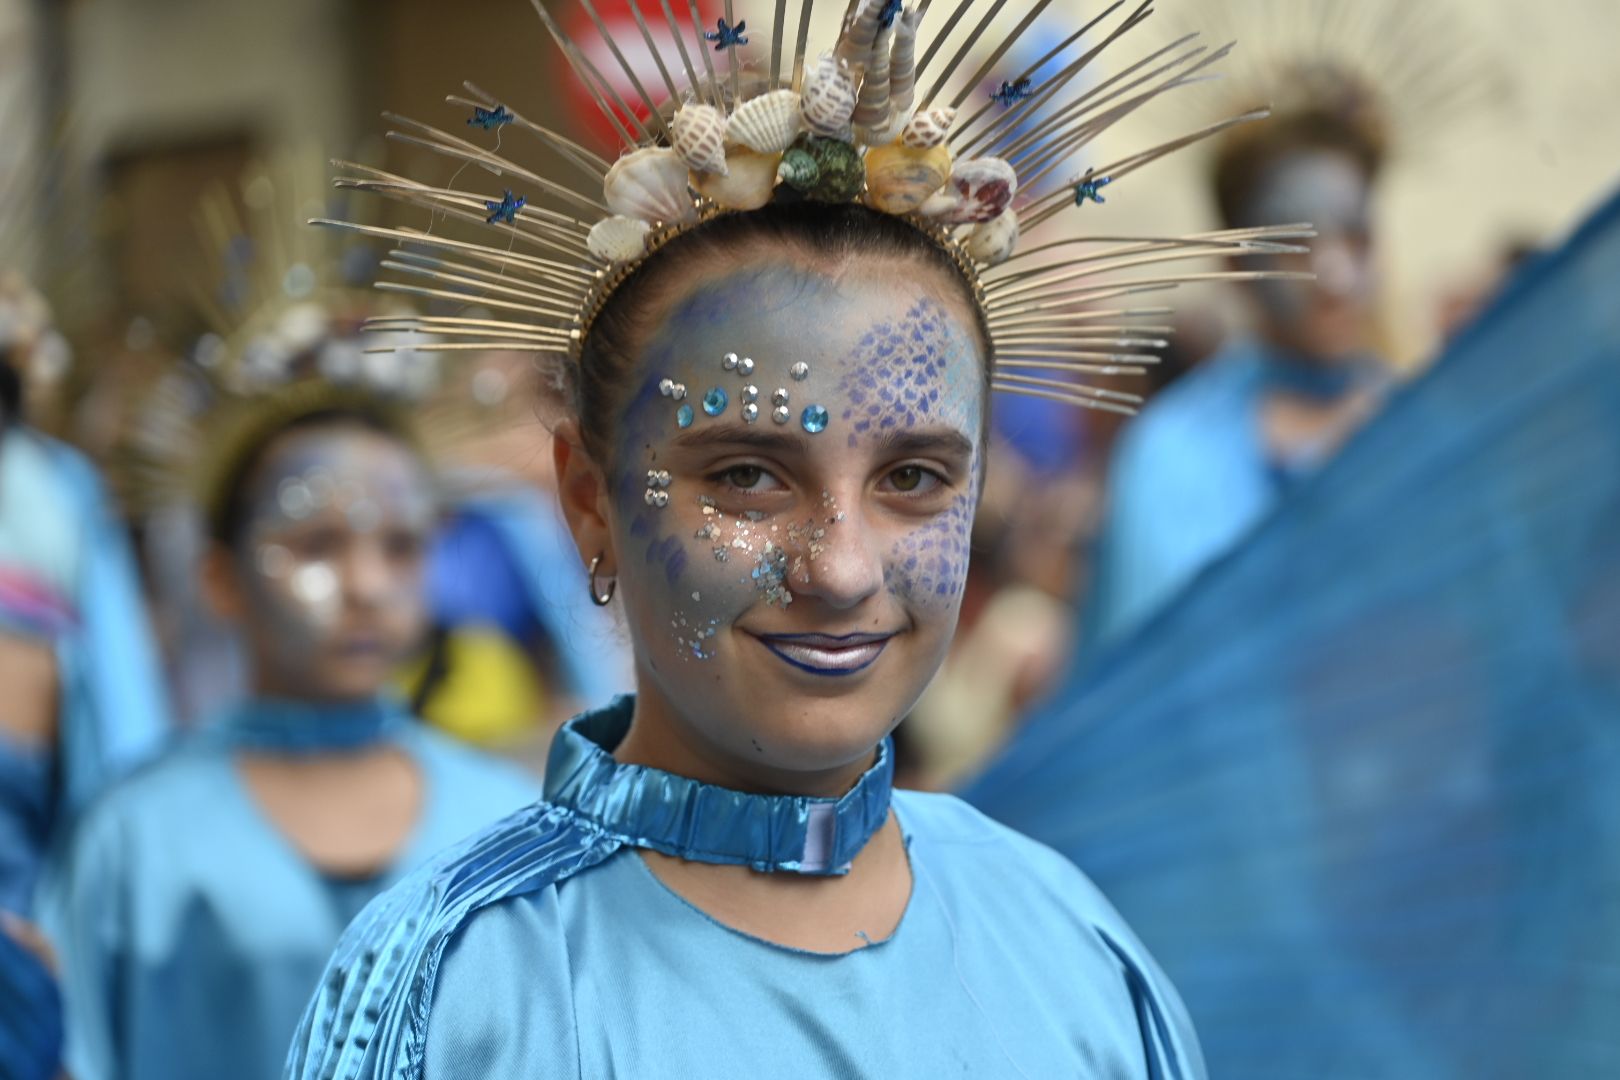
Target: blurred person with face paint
x=774 y=401
x=204 y=893
x=81 y=699
x=1213 y=454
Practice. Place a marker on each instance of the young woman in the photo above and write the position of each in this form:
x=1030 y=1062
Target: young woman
x=205 y=892
x=771 y=457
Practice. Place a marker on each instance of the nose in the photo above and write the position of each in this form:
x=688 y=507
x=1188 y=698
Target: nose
x=1334 y=263
x=367 y=576
x=843 y=557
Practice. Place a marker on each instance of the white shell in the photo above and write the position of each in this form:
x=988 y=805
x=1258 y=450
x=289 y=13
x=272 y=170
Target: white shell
x=928 y=128
x=768 y=123
x=650 y=185
x=829 y=98
x=700 y=138
x=618 y=239
x=748 y=184
x=980 y=189
x=993 y=242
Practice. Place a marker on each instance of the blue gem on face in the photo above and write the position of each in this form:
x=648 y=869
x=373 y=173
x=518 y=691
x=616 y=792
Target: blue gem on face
x=684 y=415
x=714 y=402
x=814 y=419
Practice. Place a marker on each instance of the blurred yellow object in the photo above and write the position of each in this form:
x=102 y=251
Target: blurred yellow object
x=489 y=693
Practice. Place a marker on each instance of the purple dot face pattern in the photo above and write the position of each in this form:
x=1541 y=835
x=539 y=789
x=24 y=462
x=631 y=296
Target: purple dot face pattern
x=929 y=566
x=902 y=377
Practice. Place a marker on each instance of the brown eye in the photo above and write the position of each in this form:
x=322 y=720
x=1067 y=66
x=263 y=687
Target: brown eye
x=745 y=476
x=909 y=478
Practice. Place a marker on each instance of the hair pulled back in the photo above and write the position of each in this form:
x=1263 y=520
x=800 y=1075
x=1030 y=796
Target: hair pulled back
x=812 y=231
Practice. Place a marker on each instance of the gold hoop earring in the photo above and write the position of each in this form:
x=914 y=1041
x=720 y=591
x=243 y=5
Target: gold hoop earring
x=601 y=599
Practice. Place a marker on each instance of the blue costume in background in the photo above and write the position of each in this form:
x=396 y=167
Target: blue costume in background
x=1356 y=787
x=192 y=931
x=545 y=947
x=1190 y=478
x=68 y=580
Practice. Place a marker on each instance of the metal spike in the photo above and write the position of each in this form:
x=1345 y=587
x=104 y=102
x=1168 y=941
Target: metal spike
x=1007 y=42
x=657 y=57
x=1069 y=387
x=587 y=72
x=1066 y=399
x=653 y=111
x=716 y=98
x=776 y=44
x=968 y=45
x=680 y=45
x=801 y=44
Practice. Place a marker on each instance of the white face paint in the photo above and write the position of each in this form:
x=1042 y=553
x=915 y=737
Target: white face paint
x=335 y=541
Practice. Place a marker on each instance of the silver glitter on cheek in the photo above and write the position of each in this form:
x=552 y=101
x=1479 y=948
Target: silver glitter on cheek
x=315 y=586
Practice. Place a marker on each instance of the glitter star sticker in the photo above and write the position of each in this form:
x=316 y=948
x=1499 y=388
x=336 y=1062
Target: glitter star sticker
x=506 y=210
x=490 y=119
x=1011 y=93
x=727 y=37
x=1089 y=186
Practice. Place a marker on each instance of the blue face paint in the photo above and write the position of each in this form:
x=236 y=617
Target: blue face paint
x=833 y=544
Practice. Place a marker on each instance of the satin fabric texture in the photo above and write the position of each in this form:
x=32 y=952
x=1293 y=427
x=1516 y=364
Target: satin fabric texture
x=545 y=947
x=192 y=932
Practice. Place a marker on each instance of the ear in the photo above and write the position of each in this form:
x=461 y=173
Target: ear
x=585 y=495
x=221 y=585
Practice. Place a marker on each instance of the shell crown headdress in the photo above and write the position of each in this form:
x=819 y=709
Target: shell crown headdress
x=934 y=131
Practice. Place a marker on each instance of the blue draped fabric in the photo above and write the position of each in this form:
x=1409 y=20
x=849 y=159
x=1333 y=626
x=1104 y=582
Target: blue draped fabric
x=1355 y=788
x=192 y=931
x=546 y=947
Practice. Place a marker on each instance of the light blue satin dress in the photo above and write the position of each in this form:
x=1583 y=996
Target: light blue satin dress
x=192 y=932
x=546 y=948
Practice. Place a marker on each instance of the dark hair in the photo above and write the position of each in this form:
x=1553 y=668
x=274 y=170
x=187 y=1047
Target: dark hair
x=815 y=230
x=228 y=515
x=11 y=390
x=1253 y=149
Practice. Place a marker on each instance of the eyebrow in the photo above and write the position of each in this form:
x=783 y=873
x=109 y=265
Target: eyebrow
x=946 y=441
x=733 y=435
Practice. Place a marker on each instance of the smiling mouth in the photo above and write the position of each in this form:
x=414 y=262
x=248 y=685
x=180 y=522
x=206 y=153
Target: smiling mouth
x=826 y=654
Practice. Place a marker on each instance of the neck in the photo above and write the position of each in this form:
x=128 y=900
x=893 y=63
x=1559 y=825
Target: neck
x=661 y=739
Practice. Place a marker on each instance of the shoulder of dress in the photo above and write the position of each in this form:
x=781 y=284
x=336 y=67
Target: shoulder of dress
x=368 y=1017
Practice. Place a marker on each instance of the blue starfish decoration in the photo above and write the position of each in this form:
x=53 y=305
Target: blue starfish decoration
x=1011 y=93
x=891 y=10
x=506 y=210
x=490 y=119
x=727 y=37
x=1088 y=187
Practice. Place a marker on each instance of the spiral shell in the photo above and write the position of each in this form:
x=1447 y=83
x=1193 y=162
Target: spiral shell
x=700 y=138
x=749 y=183
x=650 y=185
x=992 y=242
x=928 y=128
x=618 y=239
x=825 y=170
x=829 y=98
x=899 y=178
x=980 y=190
x=768 y=123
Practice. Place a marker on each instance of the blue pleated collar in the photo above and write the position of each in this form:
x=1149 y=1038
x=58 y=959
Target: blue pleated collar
x=678 y=816
x=284 y=726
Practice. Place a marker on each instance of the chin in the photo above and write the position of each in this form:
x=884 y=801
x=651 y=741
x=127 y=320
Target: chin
x=799 y=733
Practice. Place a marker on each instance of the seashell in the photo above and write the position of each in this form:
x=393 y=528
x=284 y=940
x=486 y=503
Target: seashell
x=650 y=185
x=825 y=170
x=903 y=65
x=861 y=32
x=828 y=100
x=993 y=241
x=618 y=239
x=700 y=138
x=749 y=183
x=872 y=105
x=768 y=123
x=928 y=128
x=900 y=178
x=980 y=189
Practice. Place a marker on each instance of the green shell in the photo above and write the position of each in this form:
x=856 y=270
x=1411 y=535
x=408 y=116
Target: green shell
x=799 y=170
x=826 y=170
